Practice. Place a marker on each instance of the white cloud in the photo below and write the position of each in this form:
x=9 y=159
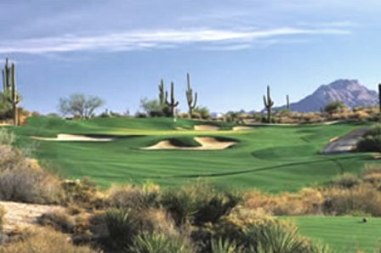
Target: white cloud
x=137 y=40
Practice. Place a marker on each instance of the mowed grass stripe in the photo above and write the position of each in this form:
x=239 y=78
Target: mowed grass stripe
x=270 y=158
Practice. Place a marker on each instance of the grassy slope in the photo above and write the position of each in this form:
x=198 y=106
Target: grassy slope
x=270 y=158
x=342 y=233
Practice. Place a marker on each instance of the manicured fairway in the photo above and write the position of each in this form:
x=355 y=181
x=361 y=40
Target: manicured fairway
x=344 y=234
x=273 y=158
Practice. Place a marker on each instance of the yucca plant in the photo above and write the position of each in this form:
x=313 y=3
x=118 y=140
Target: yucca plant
x=122 y=228
x=276 y=237
x=224 y=246
x=160 y=243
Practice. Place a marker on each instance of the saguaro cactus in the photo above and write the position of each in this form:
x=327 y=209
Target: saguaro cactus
x=268 y=102
x=162 y=93
x=9 y=86
x=287 y=102
x=379 y=96
x=192 y=100
x=172 y=104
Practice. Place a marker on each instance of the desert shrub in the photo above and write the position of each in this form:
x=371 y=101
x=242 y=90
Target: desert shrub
x=306 y=201
x=369 y=144
x=371 y=141
x=334 y=107
x=276 y=237
x=23 y=180
x=83 y=193
x=44 y=241
x=130 y=196
x=122 y=228
x=160 y=243
x=6 y=137
x=359 y=199
x=197 y=204
x=347 y=180
x=58 y=220
x=251 y=232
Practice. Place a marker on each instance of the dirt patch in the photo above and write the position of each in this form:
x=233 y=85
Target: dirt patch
x=242 y=128
x=22 y=215
x=207 y=143
x=72 y=137
x=206 y=128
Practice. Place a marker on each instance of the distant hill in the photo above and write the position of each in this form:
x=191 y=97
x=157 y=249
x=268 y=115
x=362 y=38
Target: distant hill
x=350 y=92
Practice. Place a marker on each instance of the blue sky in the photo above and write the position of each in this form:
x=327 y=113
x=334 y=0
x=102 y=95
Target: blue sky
x=120 y=49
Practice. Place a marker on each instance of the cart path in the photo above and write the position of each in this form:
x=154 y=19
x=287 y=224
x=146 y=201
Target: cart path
x=346 y=143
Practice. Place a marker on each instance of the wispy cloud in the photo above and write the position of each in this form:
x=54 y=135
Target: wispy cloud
x=138 y=40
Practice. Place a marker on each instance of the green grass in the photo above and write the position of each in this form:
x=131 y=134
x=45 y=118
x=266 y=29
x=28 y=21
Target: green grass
x=273 y=158
x=343 y=234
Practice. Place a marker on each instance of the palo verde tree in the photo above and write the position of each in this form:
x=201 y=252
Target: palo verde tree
x=80 y=106
x=10 y=90
x=191 y=98
x=268 y=103
x=172 y=103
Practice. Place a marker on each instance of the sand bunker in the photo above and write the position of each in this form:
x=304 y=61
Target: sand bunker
x=207 y=143
x=72 y=137
x=242 y=128
x=206 y=128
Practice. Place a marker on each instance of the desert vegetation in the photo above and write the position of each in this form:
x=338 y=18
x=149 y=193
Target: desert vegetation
x=199 y=217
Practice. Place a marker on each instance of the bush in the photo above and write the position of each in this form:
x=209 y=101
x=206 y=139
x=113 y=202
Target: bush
x=134 y=197
x=122 y=227
x=59 y=220
x=6 y=137
x=160 y=243
x=224 y=246
x=347 y=180
x=257 y=233
x=334 y=107
x=23 y=180
x=82 y=193
x=360 y=199
x=371 y=141
x=306 y=201
x=370 y=144
x=45 y=241
x=197 y=204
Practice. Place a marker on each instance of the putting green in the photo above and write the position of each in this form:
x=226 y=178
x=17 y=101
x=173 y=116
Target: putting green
x=273 y=158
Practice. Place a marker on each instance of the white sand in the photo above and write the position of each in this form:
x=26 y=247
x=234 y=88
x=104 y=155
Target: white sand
x=72 y=137
x=206 y=128
x=242 y=128
x=207 y=143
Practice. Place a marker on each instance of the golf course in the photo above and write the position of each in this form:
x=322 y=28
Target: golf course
x=130 y=150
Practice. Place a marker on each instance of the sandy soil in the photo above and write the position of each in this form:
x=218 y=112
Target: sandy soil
x=207 y=143
x=206 y=128
x=22 y=215
x=242 y=128
x=72 y=137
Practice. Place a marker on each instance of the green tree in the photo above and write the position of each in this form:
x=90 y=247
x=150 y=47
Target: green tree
x=334 y=107
x=79 y=105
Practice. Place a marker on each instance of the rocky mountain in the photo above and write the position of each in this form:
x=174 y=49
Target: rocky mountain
x=350 y=92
